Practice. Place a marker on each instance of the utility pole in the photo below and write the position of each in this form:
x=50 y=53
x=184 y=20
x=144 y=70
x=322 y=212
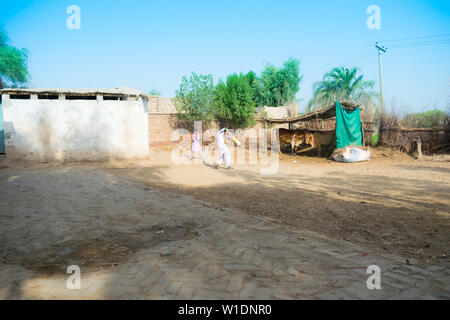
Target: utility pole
x=380 y=50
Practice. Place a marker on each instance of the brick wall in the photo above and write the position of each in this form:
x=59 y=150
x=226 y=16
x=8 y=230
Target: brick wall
x=161 y=105
x=160 y=127
x=162 y=121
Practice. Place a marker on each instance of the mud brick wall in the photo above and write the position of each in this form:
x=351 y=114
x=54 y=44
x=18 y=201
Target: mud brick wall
x=160 y=128
x=163 y=120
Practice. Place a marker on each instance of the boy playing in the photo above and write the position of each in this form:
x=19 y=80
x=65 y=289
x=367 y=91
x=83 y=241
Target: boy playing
x=224 y=153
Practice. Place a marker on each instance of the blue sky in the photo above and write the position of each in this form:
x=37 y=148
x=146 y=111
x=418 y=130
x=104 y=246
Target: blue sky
x=152 y=44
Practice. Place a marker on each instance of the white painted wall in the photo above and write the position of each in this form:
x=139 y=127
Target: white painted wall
x=75 y=130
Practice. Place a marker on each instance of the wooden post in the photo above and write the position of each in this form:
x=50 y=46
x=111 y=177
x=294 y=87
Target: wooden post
x=362 y=131
x=419 y=147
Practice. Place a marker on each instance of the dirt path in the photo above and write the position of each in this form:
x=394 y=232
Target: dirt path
x=155 y=230
x=391 y=205
x=132 y=241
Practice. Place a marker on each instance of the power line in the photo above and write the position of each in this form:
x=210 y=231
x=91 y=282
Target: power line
x=346 y=57
x=360 y=57
x=421 y=43
x=415 y=38
x=438 y=39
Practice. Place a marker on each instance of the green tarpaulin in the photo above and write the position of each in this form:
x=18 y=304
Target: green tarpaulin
x=348 y=127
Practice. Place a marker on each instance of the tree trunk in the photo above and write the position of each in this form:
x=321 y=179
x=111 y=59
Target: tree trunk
x=2 y=85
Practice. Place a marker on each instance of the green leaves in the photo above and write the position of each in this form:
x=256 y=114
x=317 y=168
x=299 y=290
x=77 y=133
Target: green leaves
x=194 y=98
x=234 y=102
x=428 y=119
x=4 y=40
x=279 y=85
x=154 y=92
x=340 y=84
x=13 y=62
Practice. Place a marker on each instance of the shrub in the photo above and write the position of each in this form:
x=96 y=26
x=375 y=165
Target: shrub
x=374 y=140
x=428 y=119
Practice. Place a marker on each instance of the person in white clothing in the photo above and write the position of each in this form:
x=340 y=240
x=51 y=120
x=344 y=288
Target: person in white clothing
x=224 y=153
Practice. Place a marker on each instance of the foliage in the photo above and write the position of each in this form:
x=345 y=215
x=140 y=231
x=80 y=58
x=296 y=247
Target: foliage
x=428 y=119
x=374 y=140
x=154 y=92
x=340 y=84
x=13 y=63
x=278 y=85
x=194 y=98
x=259 y=94
x=233 y=101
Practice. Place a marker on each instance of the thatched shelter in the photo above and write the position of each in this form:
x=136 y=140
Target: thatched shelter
x=324 y=120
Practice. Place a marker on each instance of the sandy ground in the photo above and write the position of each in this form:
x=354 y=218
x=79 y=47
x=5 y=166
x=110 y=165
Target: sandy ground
x=392 y=203
x=97 y=214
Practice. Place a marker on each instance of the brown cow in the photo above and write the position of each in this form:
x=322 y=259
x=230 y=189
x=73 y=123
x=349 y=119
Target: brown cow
x=317 y=139
x=293 y=138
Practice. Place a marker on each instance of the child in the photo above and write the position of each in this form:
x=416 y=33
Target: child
x=223 y=149
x=196 y=147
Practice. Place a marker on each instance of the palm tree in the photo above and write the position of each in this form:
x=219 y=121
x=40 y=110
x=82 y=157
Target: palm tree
x=340 y=84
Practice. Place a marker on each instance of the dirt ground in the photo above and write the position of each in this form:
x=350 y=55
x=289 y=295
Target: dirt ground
x=392 y=203
x=141 y=228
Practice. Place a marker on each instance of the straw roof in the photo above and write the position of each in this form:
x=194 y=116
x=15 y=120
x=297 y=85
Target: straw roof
x=323 y=114
x=120 y=91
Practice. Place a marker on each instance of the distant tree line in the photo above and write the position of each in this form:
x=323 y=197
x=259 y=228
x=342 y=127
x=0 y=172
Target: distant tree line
x=232 y=102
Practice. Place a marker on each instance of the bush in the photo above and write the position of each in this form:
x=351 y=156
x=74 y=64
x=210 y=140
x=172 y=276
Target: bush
x=374 y=140
x=428 y=119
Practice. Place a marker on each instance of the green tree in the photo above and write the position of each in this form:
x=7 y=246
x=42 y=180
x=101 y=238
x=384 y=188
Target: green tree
x=340 y=84
x=13 y=63
x=259 y=95
x=280 y=85
x=154 y=92
x=233 y=101
x=194 y=98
